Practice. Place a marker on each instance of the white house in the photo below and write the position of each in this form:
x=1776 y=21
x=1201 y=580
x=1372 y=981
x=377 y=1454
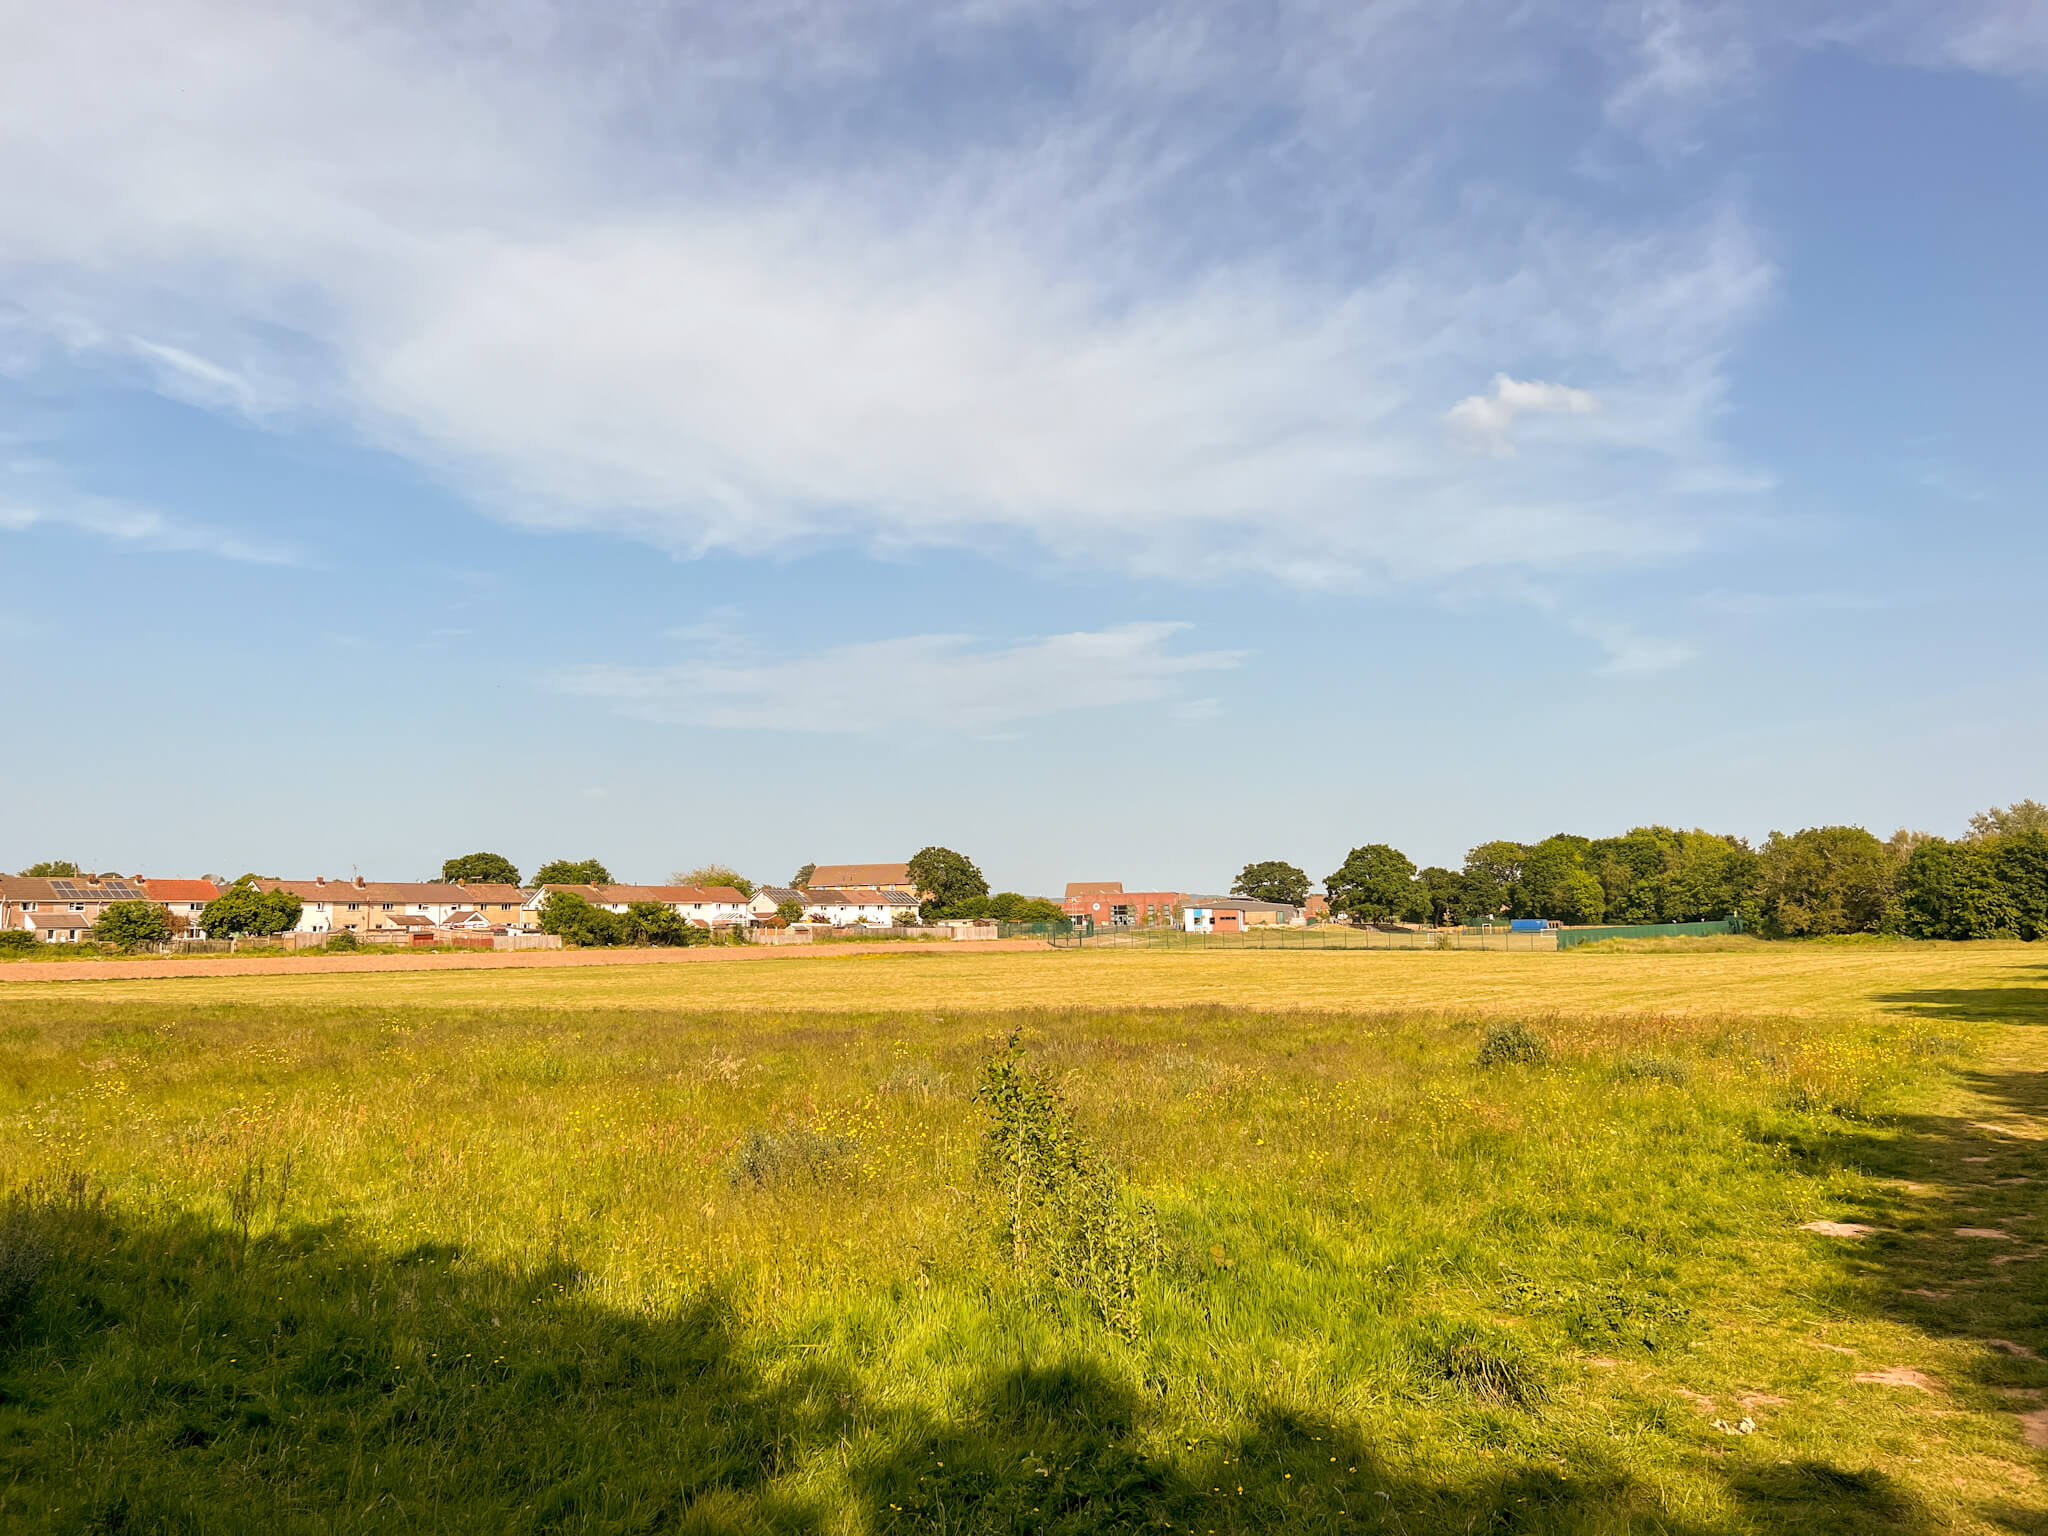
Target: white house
x=359 y=905
x=846 y=909
x=711 y=905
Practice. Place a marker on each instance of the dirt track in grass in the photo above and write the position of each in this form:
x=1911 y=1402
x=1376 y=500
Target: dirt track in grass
x=480 y=960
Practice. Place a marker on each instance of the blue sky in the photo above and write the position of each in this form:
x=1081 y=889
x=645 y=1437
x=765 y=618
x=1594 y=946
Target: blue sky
x=1120 y=442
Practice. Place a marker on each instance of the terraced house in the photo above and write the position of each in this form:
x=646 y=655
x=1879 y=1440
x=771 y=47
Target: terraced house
x=712 y=905
x=367 y=906
x=60 y=911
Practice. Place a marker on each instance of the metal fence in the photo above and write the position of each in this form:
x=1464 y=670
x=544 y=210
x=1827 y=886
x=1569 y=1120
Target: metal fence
x=1572 y=938
x=1311 y=936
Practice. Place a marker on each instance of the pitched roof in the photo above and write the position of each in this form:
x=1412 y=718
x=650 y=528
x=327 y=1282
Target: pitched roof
x=843 y=876
x=56 y=919
x=857 y=898
x=180 y=890
x=1077 y=888
x=68 y=888
x=611 y=895
x=779 y=893
x=426 y=893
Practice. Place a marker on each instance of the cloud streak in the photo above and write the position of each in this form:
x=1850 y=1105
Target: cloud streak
x=1176 y=290
x=929 y=683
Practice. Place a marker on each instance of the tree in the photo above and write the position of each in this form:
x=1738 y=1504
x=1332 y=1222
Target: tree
x=1272 y=880
x=1952 y=891
x=132 y=924
x=656 y=922
x=2020 y=816
x=51 y=869
x=1008 y=907
x=576 y=921
x=244 y=911
x=1374 y=883
x=1492 y=870
x=481 y=869
x=572 y=872
x=1826 y=880
x=945 y=879
x=790 y=910
x=1556 y=884
x=1451 y=896
x=715 y=874
x=801 y=880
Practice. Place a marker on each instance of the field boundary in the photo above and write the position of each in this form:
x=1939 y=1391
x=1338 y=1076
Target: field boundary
x=479 y=960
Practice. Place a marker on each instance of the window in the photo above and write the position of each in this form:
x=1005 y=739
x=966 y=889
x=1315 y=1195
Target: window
x=78 y=906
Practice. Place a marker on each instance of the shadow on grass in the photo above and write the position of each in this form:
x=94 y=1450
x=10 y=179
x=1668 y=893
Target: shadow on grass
x=173 y=1377
x=1959 y=1252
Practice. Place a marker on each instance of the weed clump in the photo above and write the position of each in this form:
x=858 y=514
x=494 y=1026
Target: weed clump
x=24 y=1255
x=1653 y=1069
x=1506 y=1044
x=1066 y=1211
x=768 y=1156
x=1480 y=1362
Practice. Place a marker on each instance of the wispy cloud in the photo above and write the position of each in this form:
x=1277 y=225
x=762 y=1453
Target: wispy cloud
x=34 y=495
x=941 y=683
x=1182 y=296
x=1481 y=422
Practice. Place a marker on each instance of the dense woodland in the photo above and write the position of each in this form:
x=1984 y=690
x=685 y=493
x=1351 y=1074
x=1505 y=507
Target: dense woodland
x=1823 y=880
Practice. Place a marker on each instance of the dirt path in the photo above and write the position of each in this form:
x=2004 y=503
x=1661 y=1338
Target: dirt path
x=301 y=965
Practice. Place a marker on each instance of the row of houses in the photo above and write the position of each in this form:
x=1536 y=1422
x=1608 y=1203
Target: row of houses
x=64 y=910
x=1106 y=904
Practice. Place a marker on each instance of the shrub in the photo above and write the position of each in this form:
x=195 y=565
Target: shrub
x=342 y=943
x=766 y=1156
x=1507 y=1043
x=1066 y=1211
x=1652 y=1069
x=132 y=924
x=18 y=941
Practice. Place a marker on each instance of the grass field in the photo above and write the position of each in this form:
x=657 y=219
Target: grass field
x=715 y=1247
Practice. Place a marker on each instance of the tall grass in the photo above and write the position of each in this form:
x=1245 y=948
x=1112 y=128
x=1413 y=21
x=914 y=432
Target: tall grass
x=400 y=1267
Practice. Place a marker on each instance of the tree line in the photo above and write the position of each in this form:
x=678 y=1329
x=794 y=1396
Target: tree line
x=1992 y=883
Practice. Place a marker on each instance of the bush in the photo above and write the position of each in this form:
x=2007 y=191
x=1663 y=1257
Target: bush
x=18 y=941
x=132 y=924
x=1506 y=1043
x=1648 y=1069
x=767 y=1156
x=342 y=943
x=1066 y=1212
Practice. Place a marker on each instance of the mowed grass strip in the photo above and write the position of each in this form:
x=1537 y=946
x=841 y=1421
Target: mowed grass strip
x=588 y=1265
x=1847 y=980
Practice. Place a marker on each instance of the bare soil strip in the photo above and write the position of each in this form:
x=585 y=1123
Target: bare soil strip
x=479 y=960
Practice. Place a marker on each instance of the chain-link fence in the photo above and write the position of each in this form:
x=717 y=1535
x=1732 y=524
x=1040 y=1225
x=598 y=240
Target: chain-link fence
x=1311 y=936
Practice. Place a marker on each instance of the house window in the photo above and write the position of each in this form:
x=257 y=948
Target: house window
x=78 y=906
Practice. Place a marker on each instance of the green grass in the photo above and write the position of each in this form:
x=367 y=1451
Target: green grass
x=587 y=1264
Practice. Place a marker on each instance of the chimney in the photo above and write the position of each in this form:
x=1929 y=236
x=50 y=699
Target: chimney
x=319 y=879
x=359 y=882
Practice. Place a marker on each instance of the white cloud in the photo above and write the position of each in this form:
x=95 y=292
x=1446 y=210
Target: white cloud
x=919 y=682
x=1182 y=295
x=1629 y=652
x=1481 y=422
x=784 y=281
x=33 y=494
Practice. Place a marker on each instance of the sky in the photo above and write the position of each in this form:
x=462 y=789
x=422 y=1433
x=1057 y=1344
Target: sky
x=1118 y=442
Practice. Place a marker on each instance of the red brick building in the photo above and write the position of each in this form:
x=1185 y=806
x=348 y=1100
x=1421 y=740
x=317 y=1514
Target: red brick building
x=1108 y=905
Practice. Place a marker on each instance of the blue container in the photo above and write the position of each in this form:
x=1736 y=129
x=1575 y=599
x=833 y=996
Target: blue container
x=1529 y=925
